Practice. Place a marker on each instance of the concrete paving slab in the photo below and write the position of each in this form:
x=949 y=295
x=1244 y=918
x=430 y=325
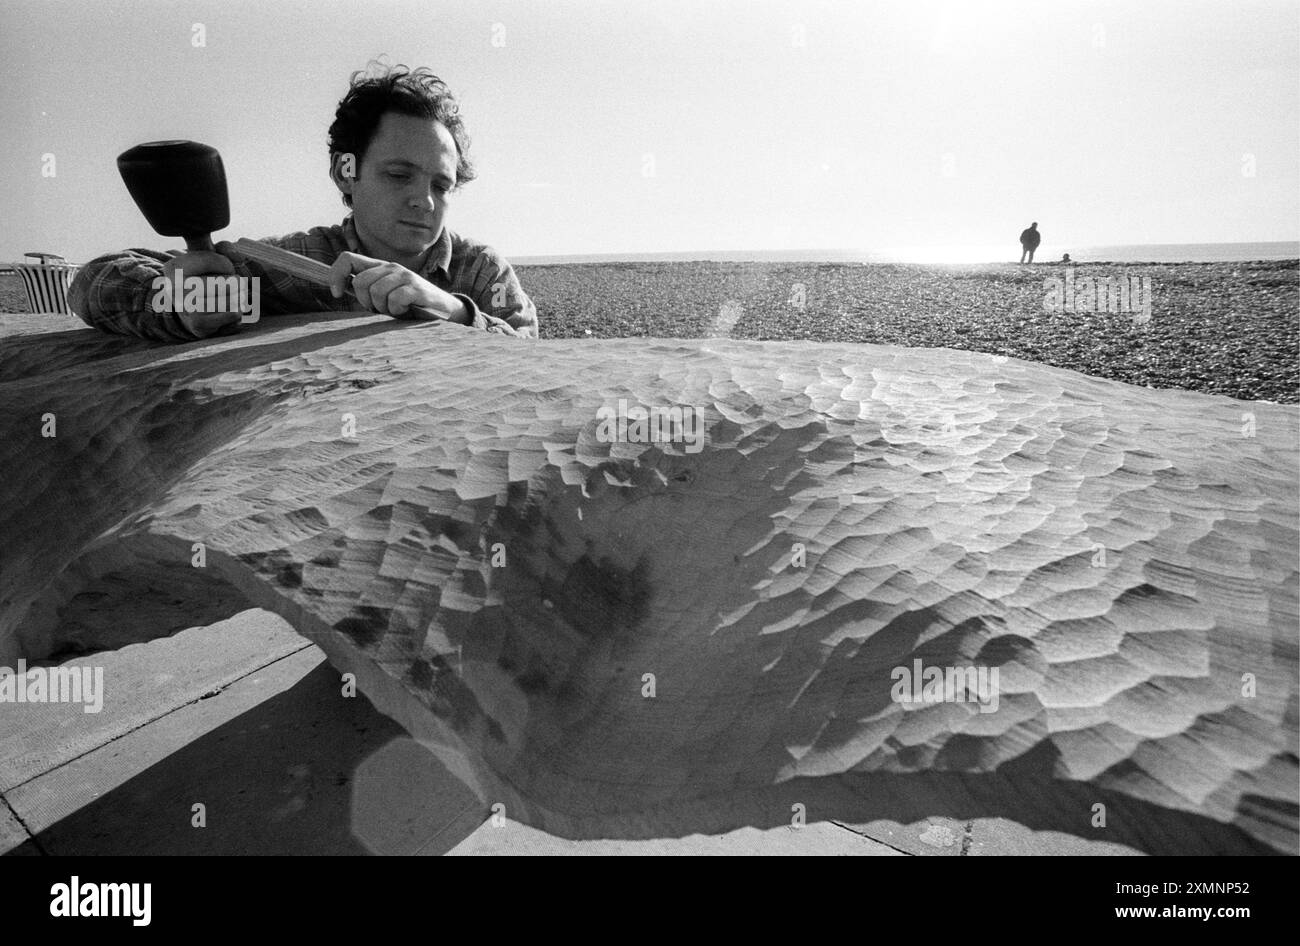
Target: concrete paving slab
x=281 y=762
x=999 y=836
x=13 y=836
x=820 y=838
x=985 y=837
x=141 y=682
x=929 y=837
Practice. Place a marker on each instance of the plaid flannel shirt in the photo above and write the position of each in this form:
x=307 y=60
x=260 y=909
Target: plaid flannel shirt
x=113 y=292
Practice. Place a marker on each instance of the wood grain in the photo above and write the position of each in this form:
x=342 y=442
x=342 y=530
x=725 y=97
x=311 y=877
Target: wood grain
x=1125 y=557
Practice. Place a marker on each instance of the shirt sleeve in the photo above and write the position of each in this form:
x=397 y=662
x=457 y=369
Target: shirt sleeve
x=113 y=294
x=496 y=299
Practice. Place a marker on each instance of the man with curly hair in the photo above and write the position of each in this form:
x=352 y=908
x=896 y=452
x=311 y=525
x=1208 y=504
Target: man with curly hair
x=398 y=154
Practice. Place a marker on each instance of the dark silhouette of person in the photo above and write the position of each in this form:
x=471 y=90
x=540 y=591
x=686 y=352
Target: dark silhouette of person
x=1029 y=241
x=1065 y=258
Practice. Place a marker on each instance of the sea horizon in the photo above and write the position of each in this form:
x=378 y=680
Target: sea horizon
x=961 y=255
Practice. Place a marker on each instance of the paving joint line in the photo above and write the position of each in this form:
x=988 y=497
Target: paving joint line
x=26 y=830
x=206 y=694
x=863 y=834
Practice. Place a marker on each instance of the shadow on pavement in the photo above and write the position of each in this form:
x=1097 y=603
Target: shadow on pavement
x=302 y=773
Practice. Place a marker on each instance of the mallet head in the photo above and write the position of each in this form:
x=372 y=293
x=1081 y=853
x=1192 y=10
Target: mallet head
x=180 y=187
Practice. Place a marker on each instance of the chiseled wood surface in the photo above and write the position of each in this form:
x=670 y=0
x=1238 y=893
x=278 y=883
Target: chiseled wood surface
x=502 y=582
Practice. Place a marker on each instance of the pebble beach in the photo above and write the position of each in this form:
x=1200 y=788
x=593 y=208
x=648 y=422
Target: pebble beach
x=1222 y=328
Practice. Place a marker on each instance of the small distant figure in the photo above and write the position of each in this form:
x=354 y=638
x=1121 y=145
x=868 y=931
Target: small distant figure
x=1029 y=240
x=1065 y=258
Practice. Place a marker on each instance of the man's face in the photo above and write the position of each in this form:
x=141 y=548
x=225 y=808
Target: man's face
x=399 y=198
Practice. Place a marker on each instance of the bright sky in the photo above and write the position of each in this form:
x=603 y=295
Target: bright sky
x=602 y=127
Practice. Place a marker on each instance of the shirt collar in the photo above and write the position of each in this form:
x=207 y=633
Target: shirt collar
x=439 y=254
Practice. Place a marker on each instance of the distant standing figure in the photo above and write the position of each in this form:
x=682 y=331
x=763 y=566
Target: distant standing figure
x=1029 y=241
x=1065 y=257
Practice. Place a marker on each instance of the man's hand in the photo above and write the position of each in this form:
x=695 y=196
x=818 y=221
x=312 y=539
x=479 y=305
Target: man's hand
x=391 y=289
x=212 y=318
